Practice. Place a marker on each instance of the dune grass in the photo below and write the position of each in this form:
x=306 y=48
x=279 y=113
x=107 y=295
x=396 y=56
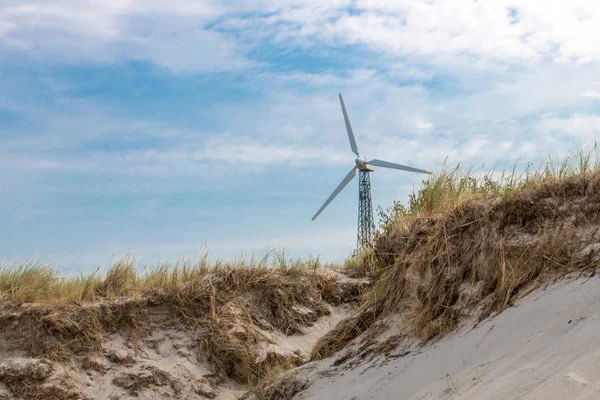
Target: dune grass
x=224 y=305
x=468 y=243
x=450 y=187
x=33 y=281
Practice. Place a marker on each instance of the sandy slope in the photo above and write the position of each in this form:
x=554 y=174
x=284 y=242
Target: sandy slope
x=207 y=340
x=162 y=365
x=546 y=347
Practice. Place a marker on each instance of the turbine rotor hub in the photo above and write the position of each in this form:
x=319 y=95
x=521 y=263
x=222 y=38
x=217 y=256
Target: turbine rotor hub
x=361 y=164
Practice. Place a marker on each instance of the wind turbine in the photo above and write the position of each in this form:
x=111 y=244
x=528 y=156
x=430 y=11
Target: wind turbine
x=366 y=225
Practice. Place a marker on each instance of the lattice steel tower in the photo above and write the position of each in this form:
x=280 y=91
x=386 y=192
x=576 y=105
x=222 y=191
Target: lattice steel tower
x=366 y=223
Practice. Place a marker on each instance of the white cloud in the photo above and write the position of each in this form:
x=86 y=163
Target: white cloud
x=582 y=127
x=245 y=151
x=170 y=35
x=424 y=80
x=304 y=127
x=421 y=124
x=396 y=112
x=463 y=32
x=184 y=35
x=516 y=94
x=592 y=94
x=191 y=159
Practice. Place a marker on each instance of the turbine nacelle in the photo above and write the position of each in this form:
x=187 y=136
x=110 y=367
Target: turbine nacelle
x=362 y=164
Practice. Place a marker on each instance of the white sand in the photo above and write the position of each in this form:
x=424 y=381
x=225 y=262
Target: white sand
x=303 y=343
x=547 y=347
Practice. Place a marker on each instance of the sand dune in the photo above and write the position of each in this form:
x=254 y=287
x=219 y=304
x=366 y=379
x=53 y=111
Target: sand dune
x=210 y=340
x=545 y=347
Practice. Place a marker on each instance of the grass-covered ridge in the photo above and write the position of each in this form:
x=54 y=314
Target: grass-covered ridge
x=450 y=187
x=467 y=244
x=33 y=281
x=226 y=309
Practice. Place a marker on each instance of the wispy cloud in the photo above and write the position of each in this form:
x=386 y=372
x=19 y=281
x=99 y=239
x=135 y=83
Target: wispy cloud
x=480 y=34
x=592 y=94
x=208 y=35
x=173 y=36
x=213 y=157
x=581 y=127
x=132 y=114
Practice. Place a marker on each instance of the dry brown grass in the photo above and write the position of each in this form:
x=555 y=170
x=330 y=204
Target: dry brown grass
x=468 y=245
x=223 y=306
x=284 y=388
x=35 y=282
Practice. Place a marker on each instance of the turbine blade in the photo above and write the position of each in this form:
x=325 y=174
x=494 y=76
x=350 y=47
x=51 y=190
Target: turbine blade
x=349 y=127
x=386 y=164
x=337 y=190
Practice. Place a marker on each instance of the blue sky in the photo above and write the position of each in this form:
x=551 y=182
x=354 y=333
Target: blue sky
x=167 y=127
